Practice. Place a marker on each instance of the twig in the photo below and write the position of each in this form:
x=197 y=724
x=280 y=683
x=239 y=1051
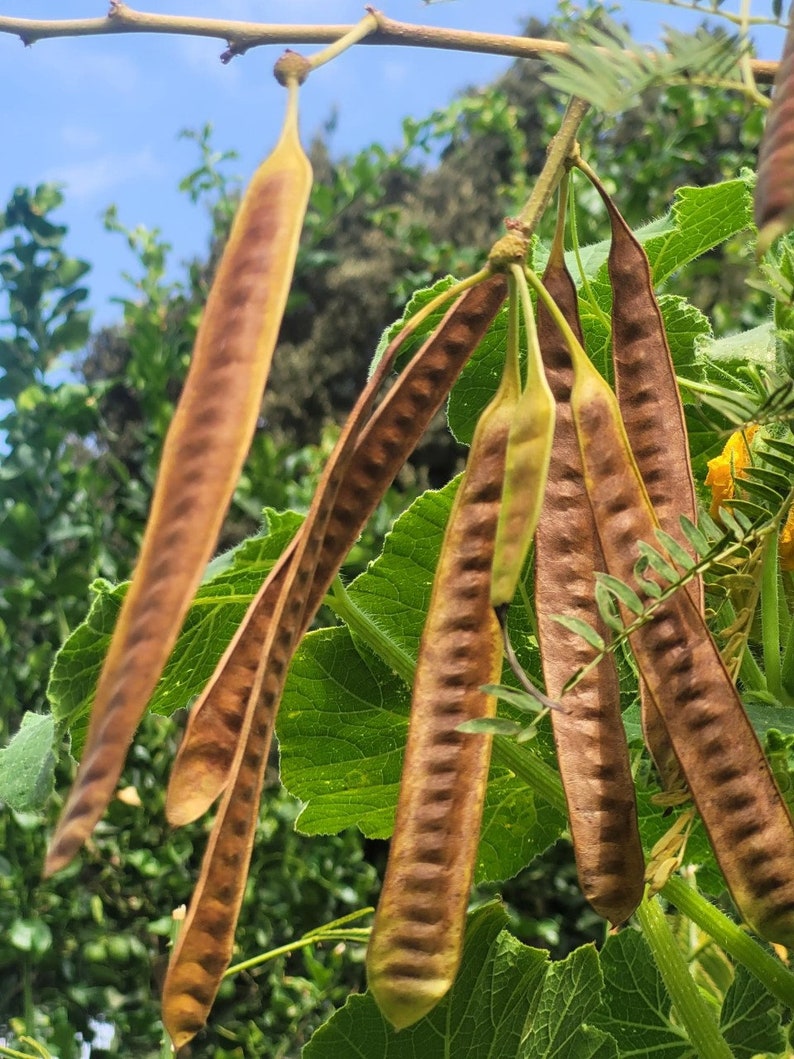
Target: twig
x=241 y=36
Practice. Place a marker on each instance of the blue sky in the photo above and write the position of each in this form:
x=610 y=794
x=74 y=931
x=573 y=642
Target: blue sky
x=102 y=114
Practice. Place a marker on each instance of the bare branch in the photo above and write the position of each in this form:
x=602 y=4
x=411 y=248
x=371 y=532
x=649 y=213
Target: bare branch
x=241 y=36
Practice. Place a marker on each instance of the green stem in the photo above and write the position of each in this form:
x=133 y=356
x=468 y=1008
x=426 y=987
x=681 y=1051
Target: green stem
x=776 y=977
x=695 y=1015
x=528 y=767
x=328 y=932
x=367 y=25
x=770 y=628
x=787 y=671
x=360 y=623
x=557 y=156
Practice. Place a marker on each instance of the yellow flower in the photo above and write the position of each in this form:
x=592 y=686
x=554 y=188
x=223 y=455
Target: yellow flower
x=786 y=544
x=728 y=466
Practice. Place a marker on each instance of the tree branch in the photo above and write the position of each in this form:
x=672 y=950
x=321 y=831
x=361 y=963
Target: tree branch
x=241 y=36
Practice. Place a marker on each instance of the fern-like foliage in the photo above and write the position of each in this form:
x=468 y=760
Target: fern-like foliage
x=728 y=555
x=606 y=67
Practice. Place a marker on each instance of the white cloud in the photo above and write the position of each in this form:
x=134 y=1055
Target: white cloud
x=85 y=180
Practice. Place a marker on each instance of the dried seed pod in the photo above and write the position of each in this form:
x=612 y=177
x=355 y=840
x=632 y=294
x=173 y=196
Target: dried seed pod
x=722 y=761
x=774 y=192
x=417 y=937
x=201 y=768
x=653 y=416
x=589 y=736
x=526 y=468
x=204 y=451
x=205 y=943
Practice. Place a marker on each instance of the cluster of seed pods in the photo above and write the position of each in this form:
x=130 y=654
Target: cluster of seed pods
x=557 y=458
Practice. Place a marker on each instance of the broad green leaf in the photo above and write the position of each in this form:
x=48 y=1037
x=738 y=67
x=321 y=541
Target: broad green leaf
x=419 y=300
x=562 y=1023
x=704 y=218
x=478 y=381
x=27 y=764
x=482 y=1017
x=750 y=1018
x=231 y=582
x=342 y=729
x=636 y=1009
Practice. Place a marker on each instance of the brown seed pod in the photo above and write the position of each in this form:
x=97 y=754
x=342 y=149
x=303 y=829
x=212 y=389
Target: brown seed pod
x=589 y=736
x=724 y=766
x=205 y=943
x=417 y=938
x=653 y=417
x=201 y=768
x=204 y=450
x=774 y=191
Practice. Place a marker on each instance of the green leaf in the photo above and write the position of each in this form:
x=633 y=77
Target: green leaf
x=656 y=561
x=636 y=1010
x=569 y=1004
x=704 y=218
x=622 y=592
x=491 y=726
x=419 y=300
x=478 y=381
x=482 y=1017
x=220 y=603
x=696 y=537
x=27 y=764
x=582 y=628
x=676 y=551
x=750 y=1018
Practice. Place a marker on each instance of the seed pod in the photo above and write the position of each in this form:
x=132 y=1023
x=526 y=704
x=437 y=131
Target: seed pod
x=526 y=470
x=204 y=451
x=774 y=191
x=416 y=942
x=205 y=943
x=722 y=761
x=201 y=768
x=592 y=751
x=653 y=417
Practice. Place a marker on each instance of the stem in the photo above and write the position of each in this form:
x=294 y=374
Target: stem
x=244 y=35
x=328 y=932
x=560 y=150
x=367 y=25
x=775 y=976
x=360 y=623
x=692 y=1009
x=770 y=630
x=527 y=766
x=595 y=308
x=787 y=671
